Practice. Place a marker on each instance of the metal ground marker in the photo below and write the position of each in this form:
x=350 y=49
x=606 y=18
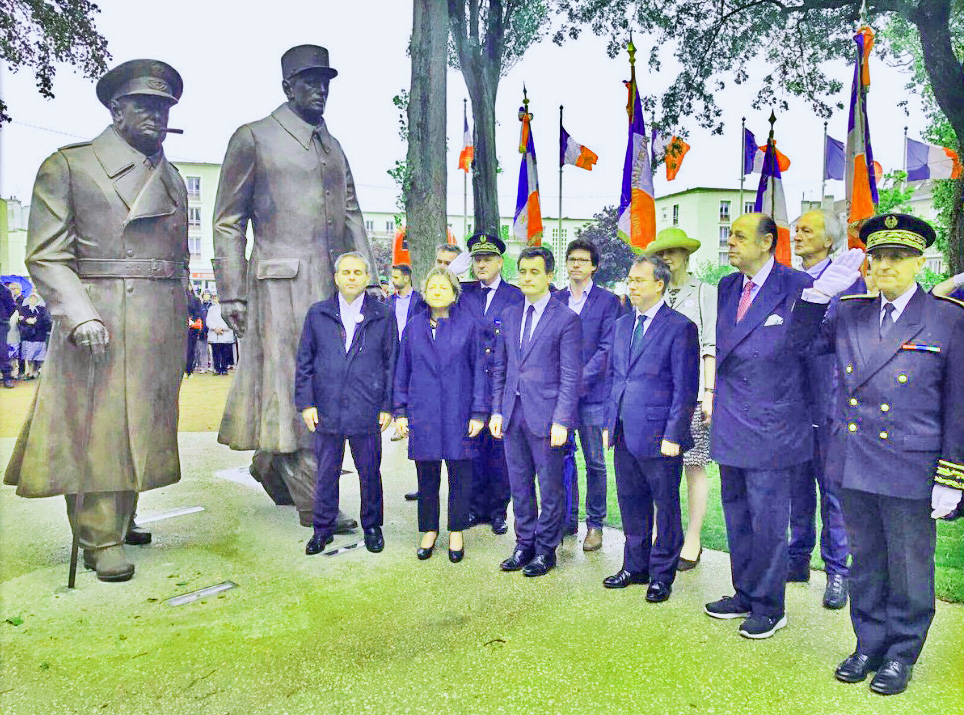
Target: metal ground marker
x=200 y=593
x=342 y=549
x=161 y=515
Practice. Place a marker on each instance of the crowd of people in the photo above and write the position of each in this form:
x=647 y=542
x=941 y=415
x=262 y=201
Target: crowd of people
x=25 y=324
x=211 y=344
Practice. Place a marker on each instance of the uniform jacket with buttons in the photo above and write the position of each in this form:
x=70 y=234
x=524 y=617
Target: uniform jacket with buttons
x=761 y=417
x=598 y=321
x=506 y=295
x=899 y=415
x=348 y=389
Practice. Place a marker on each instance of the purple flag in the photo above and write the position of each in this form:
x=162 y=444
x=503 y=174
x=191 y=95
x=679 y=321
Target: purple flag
x=835 y=160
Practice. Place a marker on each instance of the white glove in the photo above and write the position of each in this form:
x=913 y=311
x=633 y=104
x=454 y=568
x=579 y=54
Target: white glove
x=460 y=264
x=944 y=500
x=840 y=274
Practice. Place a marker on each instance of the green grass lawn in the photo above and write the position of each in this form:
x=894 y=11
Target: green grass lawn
x=950 y=535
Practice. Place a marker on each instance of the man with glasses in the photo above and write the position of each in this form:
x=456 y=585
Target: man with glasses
x=898 y=451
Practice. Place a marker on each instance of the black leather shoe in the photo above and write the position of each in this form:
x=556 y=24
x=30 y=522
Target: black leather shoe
x=856 y=668
x=798 y=573
x=518 y=560
x=411 y=496
x=540 y=565
x=344 y=524
x=835 y=595
x=658 y=592
x=374 y=541
x=136 y=536
x=475 y=520
x=892 y=678
x=456 y=556
x=624 y=578
x=499 y=527
x=317 y=543
x=424 y=553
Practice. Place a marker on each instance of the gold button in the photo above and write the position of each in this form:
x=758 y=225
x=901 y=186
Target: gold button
x=852 y=427
x=850 y=368
x=883 y=435
x=885 y=408
x=853 y=401
x=902 y=378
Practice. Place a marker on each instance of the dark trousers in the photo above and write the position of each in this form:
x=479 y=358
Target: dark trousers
x=190 y=361
x=892 y=574
x=490 y=479
x=756 y=507
x=460 y=491
x=641 y=483
x=528 y=455
x=366 y=451
x=5 y=368
x=803 y=514
x=590 y=440
x=221 y=356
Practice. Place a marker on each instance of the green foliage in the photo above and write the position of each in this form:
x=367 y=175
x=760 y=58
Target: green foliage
x=523 y=24
x=928 y=278
x=712 y=273
x=615 y=255
x=894 y=193
x=38 y=34
x=510 y=267
x=401 y=173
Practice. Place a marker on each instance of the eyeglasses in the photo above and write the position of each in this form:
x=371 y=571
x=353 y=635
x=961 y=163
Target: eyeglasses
x=579 y=261
x=639 y=281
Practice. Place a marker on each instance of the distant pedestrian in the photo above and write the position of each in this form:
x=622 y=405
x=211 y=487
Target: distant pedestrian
x=220 y=337
x=34 y=324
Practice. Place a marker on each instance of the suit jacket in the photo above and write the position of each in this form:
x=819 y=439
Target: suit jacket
x=416 y=304
x=597 y=320
x=440 y=385
x=761 y=416
x=654 y=388
x=546 y=375
x=298 y=195
x=348 y=389
x=491 y=320
x=899 y=417
x=93 y=203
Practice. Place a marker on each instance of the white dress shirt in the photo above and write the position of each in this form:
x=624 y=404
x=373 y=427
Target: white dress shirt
x=759 y=279
x=816 y=270
x=493 y=287
x=577 y=304
x=899 y=303
x=401 y=311
x=650 y=314
x=351 y=316
x=540 y=306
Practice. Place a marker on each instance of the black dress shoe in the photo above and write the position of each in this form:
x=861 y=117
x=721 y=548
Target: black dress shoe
x=798 y=573
x=856 y=668
x=317 y=543
x=835 y=595
x=456 y=556
x=374 y=541
x=475 y=520
x=540 y=565
x=499 y=527
x=624 y=578
x=658 y=592
x=424 y=553
x=411 y=496
x=136 y=536
x=892 y=678
x=518 y=560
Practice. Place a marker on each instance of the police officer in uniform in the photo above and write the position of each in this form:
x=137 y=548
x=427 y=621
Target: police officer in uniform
x=898 y=448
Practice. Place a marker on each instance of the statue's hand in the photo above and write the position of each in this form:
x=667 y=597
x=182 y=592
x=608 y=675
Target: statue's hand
x=235 y=314
x=93 y=335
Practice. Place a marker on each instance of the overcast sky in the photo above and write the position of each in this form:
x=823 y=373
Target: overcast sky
x=229 y=58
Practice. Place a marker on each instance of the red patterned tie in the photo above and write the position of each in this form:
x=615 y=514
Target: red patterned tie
x=745 y=299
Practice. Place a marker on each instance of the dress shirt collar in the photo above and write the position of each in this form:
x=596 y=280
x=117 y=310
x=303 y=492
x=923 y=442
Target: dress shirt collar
x=651 y=313
x=585 y=292
x=817 y=269
x=539 y=305
x=900 y=303
x=761 y=275
x=494 y=285
x=353 y=308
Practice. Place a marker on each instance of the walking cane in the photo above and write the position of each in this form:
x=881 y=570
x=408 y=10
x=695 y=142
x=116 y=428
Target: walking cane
x=79 y=498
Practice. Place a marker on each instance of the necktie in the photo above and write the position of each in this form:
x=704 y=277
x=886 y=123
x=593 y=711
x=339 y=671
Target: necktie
x=887 y=322
x=636 y=344
x=527 y=328
x=745 y=298
x=485 y=298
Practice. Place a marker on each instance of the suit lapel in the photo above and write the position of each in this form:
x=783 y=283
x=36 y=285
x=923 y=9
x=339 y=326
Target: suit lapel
x=908 y=325
x=547 y=316
x=649 y=336
x=297 y=127
x=771 y=293
x=157 y=197
x=124 y=165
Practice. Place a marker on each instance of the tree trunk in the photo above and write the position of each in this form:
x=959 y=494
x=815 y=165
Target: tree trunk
x=946 y=75
x=485 y=189
x=425 y=201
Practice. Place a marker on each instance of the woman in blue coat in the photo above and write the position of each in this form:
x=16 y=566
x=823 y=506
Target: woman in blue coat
x=440 y=404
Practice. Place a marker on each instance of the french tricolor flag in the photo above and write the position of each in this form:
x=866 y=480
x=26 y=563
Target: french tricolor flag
x=572 y=152
x=637 y=205
x=927 y=161
x=527 y=222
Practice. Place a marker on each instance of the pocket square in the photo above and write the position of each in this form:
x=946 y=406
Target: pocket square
x=773 y=320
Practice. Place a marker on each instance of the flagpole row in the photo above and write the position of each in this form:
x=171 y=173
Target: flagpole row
x=742 y=167
x=560 y=189
x=823 y=176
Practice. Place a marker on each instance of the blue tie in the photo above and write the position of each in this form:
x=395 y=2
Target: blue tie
x=527 y=328
x=636 y=344
x=887 y=323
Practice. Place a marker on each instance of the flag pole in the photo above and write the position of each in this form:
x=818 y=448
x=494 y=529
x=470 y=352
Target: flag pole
x=560 y=181
x=465 y=181
x=823 y=177
x=905 y=154
x=773 y=194
x=742 y=167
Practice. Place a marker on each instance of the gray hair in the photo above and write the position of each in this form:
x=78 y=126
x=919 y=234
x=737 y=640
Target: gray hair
x=354 y=254
x=445 y=272
x=661 y=271
x=834 y=229
x=449 y=247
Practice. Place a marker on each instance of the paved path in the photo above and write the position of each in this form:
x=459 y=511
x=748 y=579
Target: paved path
x=385 y=633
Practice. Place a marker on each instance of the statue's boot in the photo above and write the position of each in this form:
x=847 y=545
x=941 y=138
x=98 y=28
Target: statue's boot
x=265 y=471
x=111 y=563
x=101 y=525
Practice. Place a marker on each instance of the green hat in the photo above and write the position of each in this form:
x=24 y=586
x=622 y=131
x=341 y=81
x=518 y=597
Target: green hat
x=897 y=231
x=485 y=243
x=151 y=77
x=672 y=237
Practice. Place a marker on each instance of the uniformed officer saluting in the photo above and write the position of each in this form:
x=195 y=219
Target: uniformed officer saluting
x=900 y=438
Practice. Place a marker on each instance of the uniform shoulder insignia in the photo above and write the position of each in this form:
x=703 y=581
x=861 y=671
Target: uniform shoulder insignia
x=857 y=295
x=950 y=300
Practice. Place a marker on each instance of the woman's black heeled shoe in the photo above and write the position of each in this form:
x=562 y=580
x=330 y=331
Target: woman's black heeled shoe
x=456 y=556
x=425 y=553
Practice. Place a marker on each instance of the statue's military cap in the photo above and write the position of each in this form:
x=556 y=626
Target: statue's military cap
x=305 y=57
x=480 y=243
x=150 y=77
x=897 y=231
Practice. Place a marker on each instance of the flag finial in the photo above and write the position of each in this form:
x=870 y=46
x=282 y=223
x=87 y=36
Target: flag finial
x=773 y=120
x=631 y=48
x=863 y=12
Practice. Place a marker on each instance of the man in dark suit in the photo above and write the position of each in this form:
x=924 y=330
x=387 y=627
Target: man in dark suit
x=597 y=309
x=343 y=388
x=405 y=301
x=898 y=450
x=762 y=431
x=535 y=395
x=656 y=376
x=7 y=308
x=487 y=300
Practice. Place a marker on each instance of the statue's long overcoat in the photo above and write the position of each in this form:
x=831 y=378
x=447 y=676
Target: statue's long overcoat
x=93 y=204
x=292 y=182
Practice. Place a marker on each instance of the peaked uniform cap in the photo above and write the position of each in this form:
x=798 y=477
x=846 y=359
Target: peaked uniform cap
x=485 y=243
x=305 y=57
x=897 y=231
x=146 y=77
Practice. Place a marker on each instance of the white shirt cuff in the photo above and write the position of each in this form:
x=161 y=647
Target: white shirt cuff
x=814 y=296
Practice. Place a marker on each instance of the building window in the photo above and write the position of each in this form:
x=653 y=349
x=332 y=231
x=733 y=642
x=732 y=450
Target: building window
x=389 y=227
x=194 y=217
x=724 y=211
x=724 y=235
x=194 y=245
x=193 y=184
x=724 y=258
x=664 y=213
x=557 y=236
x=468 y=230
x=676 y=214
x=749 y=207
x=369 y=225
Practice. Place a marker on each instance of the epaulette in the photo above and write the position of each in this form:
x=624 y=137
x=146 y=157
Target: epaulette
x=950 y=300
x=76 y=145
x=858 y=295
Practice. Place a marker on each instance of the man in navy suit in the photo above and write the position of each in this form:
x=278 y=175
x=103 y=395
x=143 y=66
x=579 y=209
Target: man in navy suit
x=343 y=389
x=762 y=430
x=405 y=301
x=656 y=377
x=597 y=309
x=487 y=300
x=535 y=396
